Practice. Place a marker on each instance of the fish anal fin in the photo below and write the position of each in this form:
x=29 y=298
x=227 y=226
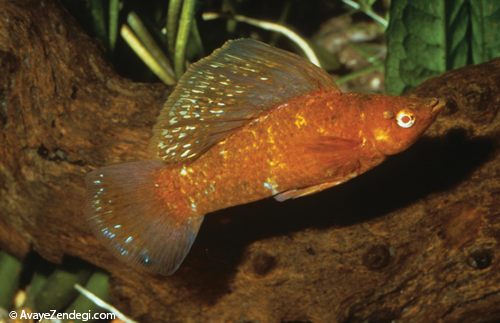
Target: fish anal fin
x=295 y=193
x=124 y=212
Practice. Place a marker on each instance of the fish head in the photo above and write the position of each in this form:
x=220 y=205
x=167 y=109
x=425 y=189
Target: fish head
x=394 y=123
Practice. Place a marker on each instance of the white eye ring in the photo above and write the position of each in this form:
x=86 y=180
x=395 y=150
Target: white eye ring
x=405 y=119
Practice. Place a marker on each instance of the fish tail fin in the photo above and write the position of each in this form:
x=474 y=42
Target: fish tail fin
x=126 y=214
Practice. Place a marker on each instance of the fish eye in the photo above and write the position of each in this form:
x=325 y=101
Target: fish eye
x=405 y=119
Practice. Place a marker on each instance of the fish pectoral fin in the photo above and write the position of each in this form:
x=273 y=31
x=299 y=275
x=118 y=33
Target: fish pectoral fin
x=125 y=213
x=331 y=152
x=227 y=90
x=295 y=193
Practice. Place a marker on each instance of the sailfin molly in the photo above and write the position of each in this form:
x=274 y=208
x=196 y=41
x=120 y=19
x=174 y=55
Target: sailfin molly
x=248 y=122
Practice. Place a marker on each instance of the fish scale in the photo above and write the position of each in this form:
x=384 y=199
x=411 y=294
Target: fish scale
x=248 y=122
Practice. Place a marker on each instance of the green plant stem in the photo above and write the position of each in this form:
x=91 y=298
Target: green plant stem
x=368 y=12
x=369 y=55
x=174 y=8
x=359 y=73
x=145 y=56
x=183 y=36
x=98 y=285
x=113 y=23
x=282 y=21
x=58 y=291
x=228 y=8
x=99 y=302
x=42 y=274
x=196 y=39
x=97 y=12
x=149 y=43
x=10 y=271
x=273 y=27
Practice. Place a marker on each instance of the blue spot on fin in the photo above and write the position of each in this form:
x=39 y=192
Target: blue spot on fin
x=132 y=223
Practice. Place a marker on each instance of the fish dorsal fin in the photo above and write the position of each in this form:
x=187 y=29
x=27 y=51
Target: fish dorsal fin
x=226 y=90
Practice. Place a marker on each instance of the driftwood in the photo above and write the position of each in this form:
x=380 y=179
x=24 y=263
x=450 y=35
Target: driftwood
x=415 y=240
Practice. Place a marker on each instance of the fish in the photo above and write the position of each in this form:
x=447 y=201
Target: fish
x=248 y=122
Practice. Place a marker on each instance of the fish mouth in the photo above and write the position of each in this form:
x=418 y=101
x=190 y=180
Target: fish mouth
x=436 y=105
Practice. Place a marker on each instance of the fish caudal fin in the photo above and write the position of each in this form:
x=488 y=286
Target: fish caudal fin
x=124 y=212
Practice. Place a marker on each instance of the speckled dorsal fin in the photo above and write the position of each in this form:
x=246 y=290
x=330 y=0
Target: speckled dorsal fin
x=226 y=90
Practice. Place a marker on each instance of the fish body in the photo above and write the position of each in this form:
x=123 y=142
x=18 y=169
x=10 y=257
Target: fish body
x=262 y=159
x=246 y=123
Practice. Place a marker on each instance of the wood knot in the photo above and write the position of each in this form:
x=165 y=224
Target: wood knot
x=475 y=95
x=478 y=104
x=43 y=151
x=263 y=263
x=74 y=91
x=479 y=258
x=377 y=257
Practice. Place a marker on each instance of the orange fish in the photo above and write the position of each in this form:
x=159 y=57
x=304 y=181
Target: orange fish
x=248 y=122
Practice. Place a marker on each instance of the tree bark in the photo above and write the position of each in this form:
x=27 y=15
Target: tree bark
x=414 y=240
